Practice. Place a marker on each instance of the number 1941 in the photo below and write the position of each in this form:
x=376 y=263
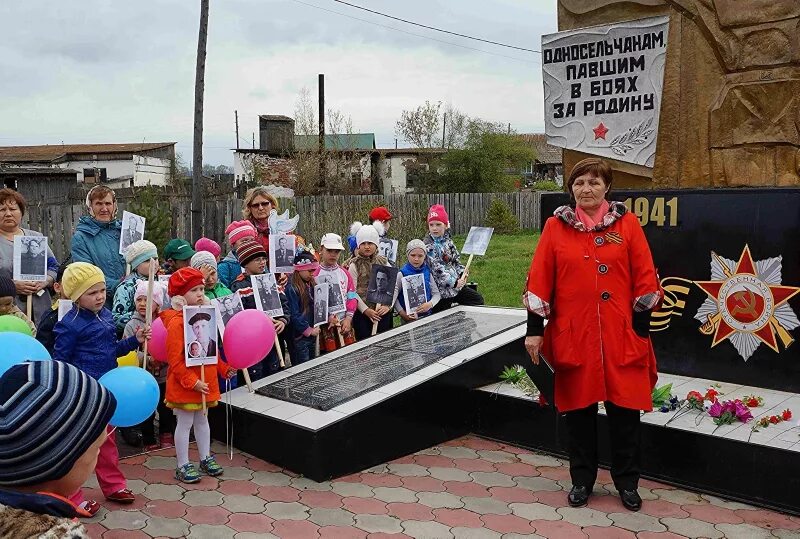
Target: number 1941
x=658 y=211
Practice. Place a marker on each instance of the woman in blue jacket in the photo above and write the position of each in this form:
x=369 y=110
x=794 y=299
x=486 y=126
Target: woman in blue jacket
x=96 y=238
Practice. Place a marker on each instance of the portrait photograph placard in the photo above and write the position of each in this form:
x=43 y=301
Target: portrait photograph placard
x=336 y=301
x=382 y=282
x=477 y=240
x=200 y=334
x=265 y=292
x=281 y=253
x=414 y=291
x=388 y=248
x=132 y=230
x=30 y=258
x=227 y=306
x=321 y=304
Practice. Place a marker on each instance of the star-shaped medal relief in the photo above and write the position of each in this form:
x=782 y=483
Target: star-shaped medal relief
x=746 y=302
x=600 y=131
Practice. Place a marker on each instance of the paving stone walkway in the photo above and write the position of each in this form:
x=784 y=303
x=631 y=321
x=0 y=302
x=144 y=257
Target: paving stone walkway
x=468 y=488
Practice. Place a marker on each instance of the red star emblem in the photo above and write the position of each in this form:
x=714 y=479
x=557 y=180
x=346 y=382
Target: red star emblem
x=600 y=131
x=748 y=304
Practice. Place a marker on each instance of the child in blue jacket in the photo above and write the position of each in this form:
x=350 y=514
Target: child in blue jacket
x=87 y=338
x=300 y=293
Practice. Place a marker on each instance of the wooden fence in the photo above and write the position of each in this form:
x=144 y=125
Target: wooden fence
x=317 y=215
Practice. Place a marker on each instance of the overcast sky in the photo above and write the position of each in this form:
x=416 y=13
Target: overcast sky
x=101 y=71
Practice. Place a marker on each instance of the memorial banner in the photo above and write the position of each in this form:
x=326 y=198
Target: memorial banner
x=602 y=88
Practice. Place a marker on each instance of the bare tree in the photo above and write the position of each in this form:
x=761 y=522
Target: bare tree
x=421 y=127
x=197 y=158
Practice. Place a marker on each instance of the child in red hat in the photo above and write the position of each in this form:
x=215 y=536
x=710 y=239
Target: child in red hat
x=450 y=274
x=184 y=384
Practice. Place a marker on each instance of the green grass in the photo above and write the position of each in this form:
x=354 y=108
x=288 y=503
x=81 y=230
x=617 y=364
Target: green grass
x=502 y=272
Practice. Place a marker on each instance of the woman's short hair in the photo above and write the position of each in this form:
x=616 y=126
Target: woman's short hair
x=253 y=193
x=97 y=192
x=591 y=165
x=9 y=194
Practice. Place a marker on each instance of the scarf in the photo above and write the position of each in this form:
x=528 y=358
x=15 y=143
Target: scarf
x=407 y=270
x=590 y=222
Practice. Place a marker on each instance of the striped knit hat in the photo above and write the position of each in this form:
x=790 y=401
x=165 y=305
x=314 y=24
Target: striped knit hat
x=249 y=251
x=50 y=414
x=238 y=230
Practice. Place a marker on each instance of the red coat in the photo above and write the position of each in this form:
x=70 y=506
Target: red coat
x=180 y=378
x=586 y=283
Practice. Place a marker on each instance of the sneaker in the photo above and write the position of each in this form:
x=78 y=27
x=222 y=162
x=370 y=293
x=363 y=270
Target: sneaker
x=122 y=496
x=187 y=474
x=89 y=507
x=167 y=440
x=210 y=467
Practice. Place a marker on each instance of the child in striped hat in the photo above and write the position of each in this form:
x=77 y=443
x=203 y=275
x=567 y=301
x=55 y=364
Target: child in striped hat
x=253 y=258
x=38 y=400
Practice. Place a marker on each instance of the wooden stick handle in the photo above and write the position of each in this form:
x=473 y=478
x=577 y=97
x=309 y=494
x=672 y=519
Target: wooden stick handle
x=469 y=261
x=279 y=350
x=203 y=395
x=148 y=317
x=247 y=380
x=316 y=347
x=375 y=324
x=341 y=337
x=29 y=307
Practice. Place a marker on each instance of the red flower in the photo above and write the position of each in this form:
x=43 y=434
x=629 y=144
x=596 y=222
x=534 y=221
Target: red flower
x=711 y=394
x=694 y=396
x=786 y=415
x=774 y=419
x=752 y=402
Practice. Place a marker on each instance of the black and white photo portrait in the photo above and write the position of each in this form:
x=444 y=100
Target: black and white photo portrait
x=477 y=240
x=265 y=292
x=30 y=258
x=227 y=306
x=321 y=304
x=132 y=230
x=388 y=248
x=414 y=291
x=200 y=332
x=281 y=253
x=382 y=281
x=336 y=302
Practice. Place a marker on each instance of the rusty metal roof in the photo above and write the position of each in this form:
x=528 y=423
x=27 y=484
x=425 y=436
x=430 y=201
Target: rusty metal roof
x=51 y=152
x=545 y=153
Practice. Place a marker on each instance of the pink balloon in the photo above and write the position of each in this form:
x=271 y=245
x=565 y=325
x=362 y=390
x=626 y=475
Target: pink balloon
x=249 y=336
x=157 y=347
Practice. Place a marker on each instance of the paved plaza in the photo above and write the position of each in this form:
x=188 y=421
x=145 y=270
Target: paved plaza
x=467 y=488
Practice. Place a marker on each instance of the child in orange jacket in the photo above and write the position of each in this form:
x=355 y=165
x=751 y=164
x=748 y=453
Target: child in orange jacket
x=184 y=384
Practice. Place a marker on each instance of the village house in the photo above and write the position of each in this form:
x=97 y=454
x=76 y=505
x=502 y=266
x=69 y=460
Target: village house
x=48 y=173
x=547 y=165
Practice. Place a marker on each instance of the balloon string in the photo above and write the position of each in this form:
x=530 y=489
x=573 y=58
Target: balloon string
x=228 y=419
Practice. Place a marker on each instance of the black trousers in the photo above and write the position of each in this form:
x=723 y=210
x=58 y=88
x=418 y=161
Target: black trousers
x=465 y=296
x=624 y=430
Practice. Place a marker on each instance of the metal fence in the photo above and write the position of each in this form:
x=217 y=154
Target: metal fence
x=318 y=215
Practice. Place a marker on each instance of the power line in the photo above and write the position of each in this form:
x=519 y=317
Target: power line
x=437 y=29
x=412 y=33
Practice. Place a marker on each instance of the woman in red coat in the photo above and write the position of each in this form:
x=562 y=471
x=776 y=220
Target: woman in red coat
x=593 y=279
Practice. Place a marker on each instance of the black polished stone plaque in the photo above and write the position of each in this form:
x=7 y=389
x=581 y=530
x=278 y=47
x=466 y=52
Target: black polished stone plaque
x=346 y=377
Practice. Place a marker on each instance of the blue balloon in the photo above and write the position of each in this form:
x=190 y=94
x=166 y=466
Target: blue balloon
x=136 y=392
x=17 y=348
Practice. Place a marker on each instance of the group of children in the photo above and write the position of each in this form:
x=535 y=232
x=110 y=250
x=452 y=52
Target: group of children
x=92 y=337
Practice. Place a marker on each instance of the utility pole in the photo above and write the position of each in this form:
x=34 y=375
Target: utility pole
x=254 y=140
x=509 y=128
x=236 y=114
x=444 y=129
x=321 y=85
x=199 y=89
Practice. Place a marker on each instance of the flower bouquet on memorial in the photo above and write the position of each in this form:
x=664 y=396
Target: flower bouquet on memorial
x=663 y=399
x=729 y=412
x=753 y=401
x=768 y=420
x=518 y=377
x=695 y=401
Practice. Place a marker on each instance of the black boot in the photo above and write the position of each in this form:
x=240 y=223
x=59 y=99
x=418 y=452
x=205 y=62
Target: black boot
x=578 y=496
x=631 y=499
